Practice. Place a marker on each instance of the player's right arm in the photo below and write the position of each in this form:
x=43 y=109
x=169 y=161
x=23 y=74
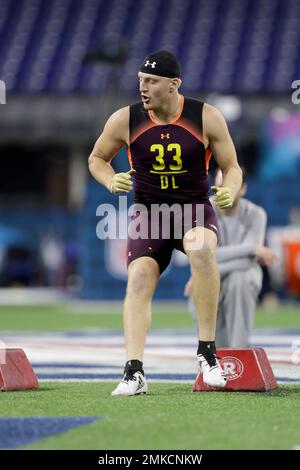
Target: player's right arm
x=115 y=134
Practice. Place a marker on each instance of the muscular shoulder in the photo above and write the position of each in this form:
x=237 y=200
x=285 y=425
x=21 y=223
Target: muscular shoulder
x=118 y=124
x=120 y=116
x=213 y=121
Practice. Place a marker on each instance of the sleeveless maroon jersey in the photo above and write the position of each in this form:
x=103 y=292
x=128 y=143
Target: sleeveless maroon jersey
x=170 y=160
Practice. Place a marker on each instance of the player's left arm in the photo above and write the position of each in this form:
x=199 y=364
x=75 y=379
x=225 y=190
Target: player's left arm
x=216 y=132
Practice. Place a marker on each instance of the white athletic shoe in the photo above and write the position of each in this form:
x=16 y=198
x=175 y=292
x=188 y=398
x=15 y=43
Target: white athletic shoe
x=131 y=385
x=214 y=376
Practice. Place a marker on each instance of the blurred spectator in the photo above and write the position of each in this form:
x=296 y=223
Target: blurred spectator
x=52 y=255
x=19 y=267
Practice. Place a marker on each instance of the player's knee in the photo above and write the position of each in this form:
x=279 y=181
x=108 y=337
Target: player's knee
x=206 y=254
x=141 y=279
x=138 y=283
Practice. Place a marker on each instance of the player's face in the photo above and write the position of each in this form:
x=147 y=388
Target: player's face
x=153 y=89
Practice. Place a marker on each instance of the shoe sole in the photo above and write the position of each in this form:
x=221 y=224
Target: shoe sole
x=218 y=386
x=125 y=395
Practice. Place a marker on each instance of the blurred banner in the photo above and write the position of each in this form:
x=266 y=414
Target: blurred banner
x=292 y=261
x=281 y=146
x=285 y=274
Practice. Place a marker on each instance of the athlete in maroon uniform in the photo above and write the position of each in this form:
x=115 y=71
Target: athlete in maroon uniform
x=170 y=160
x=171 y=167
x=169 y=140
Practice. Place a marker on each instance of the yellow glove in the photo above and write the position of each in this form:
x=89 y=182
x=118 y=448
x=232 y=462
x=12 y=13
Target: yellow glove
x=121 y=182
x=223 y=197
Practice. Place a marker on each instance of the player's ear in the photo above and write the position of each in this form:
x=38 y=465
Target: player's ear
x=174 y=84
x=171 y=86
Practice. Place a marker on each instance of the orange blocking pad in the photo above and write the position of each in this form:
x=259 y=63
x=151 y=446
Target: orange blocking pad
x=245 y=369
x=16 y=372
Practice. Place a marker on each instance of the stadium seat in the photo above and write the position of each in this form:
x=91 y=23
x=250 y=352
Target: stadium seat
x=230 y=46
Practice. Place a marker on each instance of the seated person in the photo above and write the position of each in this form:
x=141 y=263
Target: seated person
x=240 y=253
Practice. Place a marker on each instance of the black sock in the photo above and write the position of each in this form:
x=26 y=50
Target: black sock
x=208 y=350
x=206 y=345
x=133 y=366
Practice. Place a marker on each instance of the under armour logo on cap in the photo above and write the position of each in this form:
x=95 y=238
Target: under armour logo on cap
x=162 y=63
x=153 y=64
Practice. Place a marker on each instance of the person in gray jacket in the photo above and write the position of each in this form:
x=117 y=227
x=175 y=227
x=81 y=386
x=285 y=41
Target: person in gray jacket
x=240 y=254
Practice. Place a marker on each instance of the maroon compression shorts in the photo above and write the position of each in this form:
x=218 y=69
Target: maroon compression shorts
x=161 y=246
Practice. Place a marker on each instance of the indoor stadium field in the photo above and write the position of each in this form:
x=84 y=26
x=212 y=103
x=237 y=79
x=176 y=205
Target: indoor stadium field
x=77 y=354
x=105 y=104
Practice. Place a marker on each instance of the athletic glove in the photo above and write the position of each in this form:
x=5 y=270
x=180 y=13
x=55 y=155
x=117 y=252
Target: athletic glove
x=121 y=182
x=223 y=197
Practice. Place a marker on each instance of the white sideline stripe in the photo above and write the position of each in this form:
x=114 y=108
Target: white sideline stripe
x=183 y=381
x=118 y=380
x=73 y=370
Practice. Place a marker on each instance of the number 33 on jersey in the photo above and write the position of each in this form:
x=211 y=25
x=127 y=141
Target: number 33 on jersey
x=170 y=160
x=167 y=171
